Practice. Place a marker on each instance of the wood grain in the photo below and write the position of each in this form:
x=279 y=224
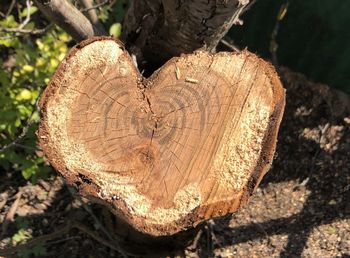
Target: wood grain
x=166 y=152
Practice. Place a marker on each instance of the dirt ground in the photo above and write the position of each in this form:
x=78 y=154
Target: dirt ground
x=301 y=209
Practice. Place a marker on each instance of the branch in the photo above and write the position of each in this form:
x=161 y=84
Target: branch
x=95 y=6
x=25 y=31
x=92 y=16
x=10 y=8
x=69 y=18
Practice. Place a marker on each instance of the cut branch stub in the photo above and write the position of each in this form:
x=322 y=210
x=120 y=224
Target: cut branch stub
x=167 y=152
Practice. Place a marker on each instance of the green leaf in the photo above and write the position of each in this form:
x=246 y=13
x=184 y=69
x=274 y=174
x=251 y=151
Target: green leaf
x=20 y=236
x=8 y=42
x=115 y=30
x=27 y=173
x=24 y=95
x=9 y=22
x=36 y=59
x=24 y=13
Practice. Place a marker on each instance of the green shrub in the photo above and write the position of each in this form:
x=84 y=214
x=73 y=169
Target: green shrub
x=27 y=64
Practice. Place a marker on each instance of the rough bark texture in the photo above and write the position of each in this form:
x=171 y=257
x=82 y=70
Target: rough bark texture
x=164 y=153
x=157 y=30
x=65 y=15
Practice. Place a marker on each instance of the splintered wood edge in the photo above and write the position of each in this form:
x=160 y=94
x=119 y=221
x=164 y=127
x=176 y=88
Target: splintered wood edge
x=89 y=188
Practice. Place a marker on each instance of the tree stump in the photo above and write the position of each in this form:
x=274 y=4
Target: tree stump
x=164 y=153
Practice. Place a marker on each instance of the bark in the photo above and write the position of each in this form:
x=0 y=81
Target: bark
x=156 y=30
x=69 y=18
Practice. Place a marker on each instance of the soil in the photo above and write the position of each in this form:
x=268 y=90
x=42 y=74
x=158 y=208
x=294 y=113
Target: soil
x=301 y=208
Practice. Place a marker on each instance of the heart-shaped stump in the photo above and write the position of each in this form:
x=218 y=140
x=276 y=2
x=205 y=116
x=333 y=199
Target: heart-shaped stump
x=167 y=152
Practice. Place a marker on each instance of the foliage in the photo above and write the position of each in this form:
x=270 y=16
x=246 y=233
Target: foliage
x=21 y=236
x=27 y=64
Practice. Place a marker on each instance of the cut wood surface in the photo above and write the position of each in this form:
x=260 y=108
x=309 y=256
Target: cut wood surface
x=164 y=153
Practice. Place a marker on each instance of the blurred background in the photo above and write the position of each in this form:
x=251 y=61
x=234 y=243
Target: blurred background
x=313 y=37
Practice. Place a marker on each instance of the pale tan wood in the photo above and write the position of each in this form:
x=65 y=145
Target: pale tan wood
x=164 y=153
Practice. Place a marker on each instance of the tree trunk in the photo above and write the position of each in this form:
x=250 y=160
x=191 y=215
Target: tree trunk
x=157 y=30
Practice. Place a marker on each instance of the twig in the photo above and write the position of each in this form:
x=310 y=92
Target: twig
x=194 y=244
x=25 y=31
x=11 y=213
x=63 y=240
x=10 y=8
x=27 y=19
x=92 y=15
x=230 y=45
x=273 y=42
x=95 y=6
